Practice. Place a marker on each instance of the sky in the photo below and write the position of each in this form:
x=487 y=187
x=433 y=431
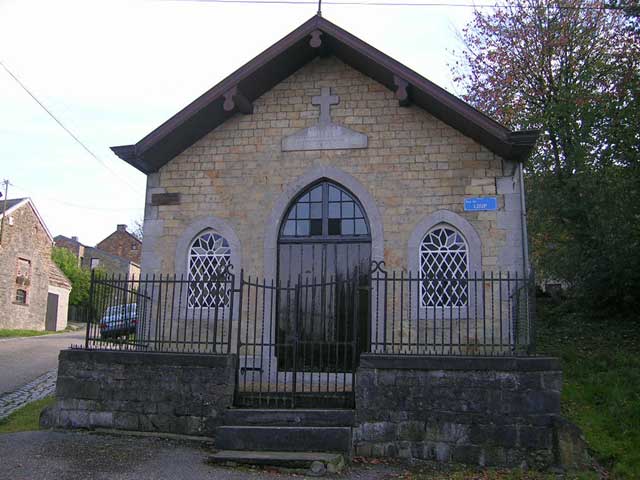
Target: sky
x=112 y=71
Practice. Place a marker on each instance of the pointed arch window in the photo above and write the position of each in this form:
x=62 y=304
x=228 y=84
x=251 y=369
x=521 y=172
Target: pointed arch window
x=444 y=266
x=325 y=211
x=209 y=257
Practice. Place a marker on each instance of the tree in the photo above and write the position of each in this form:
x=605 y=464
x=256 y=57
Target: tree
x=138 y=229
x=571 y=69
x=80 y=278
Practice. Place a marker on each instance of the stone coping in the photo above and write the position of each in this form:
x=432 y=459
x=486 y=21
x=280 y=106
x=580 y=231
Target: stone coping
x=427 y=362
x=150 y=358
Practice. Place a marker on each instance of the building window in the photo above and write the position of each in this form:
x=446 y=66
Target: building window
x=326 y=210
x=21 y=296
x=444 y=268
x=209 y=257
x=95 y=262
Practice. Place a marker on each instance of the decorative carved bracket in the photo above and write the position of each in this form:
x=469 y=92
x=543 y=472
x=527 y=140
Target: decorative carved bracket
x=317 y=43
x=234 y=98
x=402 y=91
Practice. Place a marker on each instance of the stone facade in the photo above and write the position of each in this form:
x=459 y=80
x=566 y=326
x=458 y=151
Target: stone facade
x=414 y=165
x=25 y=257
x=148 y=392
x=122 y=244
x=481 y=411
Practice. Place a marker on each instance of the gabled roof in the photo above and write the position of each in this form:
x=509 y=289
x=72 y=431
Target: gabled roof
x=11 y=203
x=57 y=277
x=131 y=235
x=317 y=37
x=15 y=203
x=71 y=240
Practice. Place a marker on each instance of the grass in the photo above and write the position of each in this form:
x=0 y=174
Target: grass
x=26 y=418
x=601 y=394
x=492 y=474
x=9 y=333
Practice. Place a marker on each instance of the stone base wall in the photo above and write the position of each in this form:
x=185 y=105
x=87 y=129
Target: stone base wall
x=482 y=410
x=152 y=392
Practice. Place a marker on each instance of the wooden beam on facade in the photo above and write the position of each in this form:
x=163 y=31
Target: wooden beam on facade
x=233 y=98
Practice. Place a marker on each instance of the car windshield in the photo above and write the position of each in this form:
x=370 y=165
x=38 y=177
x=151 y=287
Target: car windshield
x=121 y=309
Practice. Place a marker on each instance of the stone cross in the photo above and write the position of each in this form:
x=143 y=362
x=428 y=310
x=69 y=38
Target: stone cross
x=325 y=100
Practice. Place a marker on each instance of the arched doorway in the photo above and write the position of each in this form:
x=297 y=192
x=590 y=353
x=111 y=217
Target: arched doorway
x=324 y=253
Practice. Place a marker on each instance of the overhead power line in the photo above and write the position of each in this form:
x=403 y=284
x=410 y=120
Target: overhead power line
x=30 y=193
x=395 y=4
x=69 y=132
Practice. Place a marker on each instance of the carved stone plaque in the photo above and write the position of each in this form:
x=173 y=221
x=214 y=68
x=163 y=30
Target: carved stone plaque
x=165 y=199
x=325 y=135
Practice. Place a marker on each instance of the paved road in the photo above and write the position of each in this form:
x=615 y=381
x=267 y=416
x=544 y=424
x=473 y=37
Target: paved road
x=22 y=360
x=51 y=455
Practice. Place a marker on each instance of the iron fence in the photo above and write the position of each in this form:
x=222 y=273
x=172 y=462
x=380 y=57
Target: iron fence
x=298 y=343
x=484 y=313
x=160 y=313
x=314 y=324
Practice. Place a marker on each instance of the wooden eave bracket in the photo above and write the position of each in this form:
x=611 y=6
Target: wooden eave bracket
x=234 y=98
x=316 y=43
x=402 y=91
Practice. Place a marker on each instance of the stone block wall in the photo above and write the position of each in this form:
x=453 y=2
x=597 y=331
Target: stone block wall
x=473 y=410
x=150 y=392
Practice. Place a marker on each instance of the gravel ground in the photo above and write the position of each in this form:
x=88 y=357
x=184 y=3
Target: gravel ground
x=56 y=455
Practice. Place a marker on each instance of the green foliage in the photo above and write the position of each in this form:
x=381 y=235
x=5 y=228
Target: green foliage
x=585 y=230
x=9 y=333
x=601 y=391
x=80 y=277
x=26 y=418
x=570 y=68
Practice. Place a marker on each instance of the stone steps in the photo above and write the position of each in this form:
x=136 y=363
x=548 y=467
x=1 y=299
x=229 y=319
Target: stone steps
x=315 y=462
x=288 y=418
x=287 y=439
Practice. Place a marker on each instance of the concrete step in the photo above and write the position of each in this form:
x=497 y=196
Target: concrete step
x=285 y=439
x=314 y=461
x=288 y=418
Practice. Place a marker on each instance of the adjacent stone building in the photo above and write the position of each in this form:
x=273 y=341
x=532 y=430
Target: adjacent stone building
x=107 y=254
x=122 y=244
x=34 y=293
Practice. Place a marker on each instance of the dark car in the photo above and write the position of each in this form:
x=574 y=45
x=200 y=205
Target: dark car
x=119 y=321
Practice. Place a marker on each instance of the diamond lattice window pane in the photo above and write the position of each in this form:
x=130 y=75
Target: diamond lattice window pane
x=208 y=259
x=443 y=269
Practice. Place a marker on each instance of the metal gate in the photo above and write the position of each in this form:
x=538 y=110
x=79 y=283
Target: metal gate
x=299 y=344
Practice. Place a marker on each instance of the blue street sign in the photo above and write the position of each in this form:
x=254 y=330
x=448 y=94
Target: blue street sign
x=480 y=204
